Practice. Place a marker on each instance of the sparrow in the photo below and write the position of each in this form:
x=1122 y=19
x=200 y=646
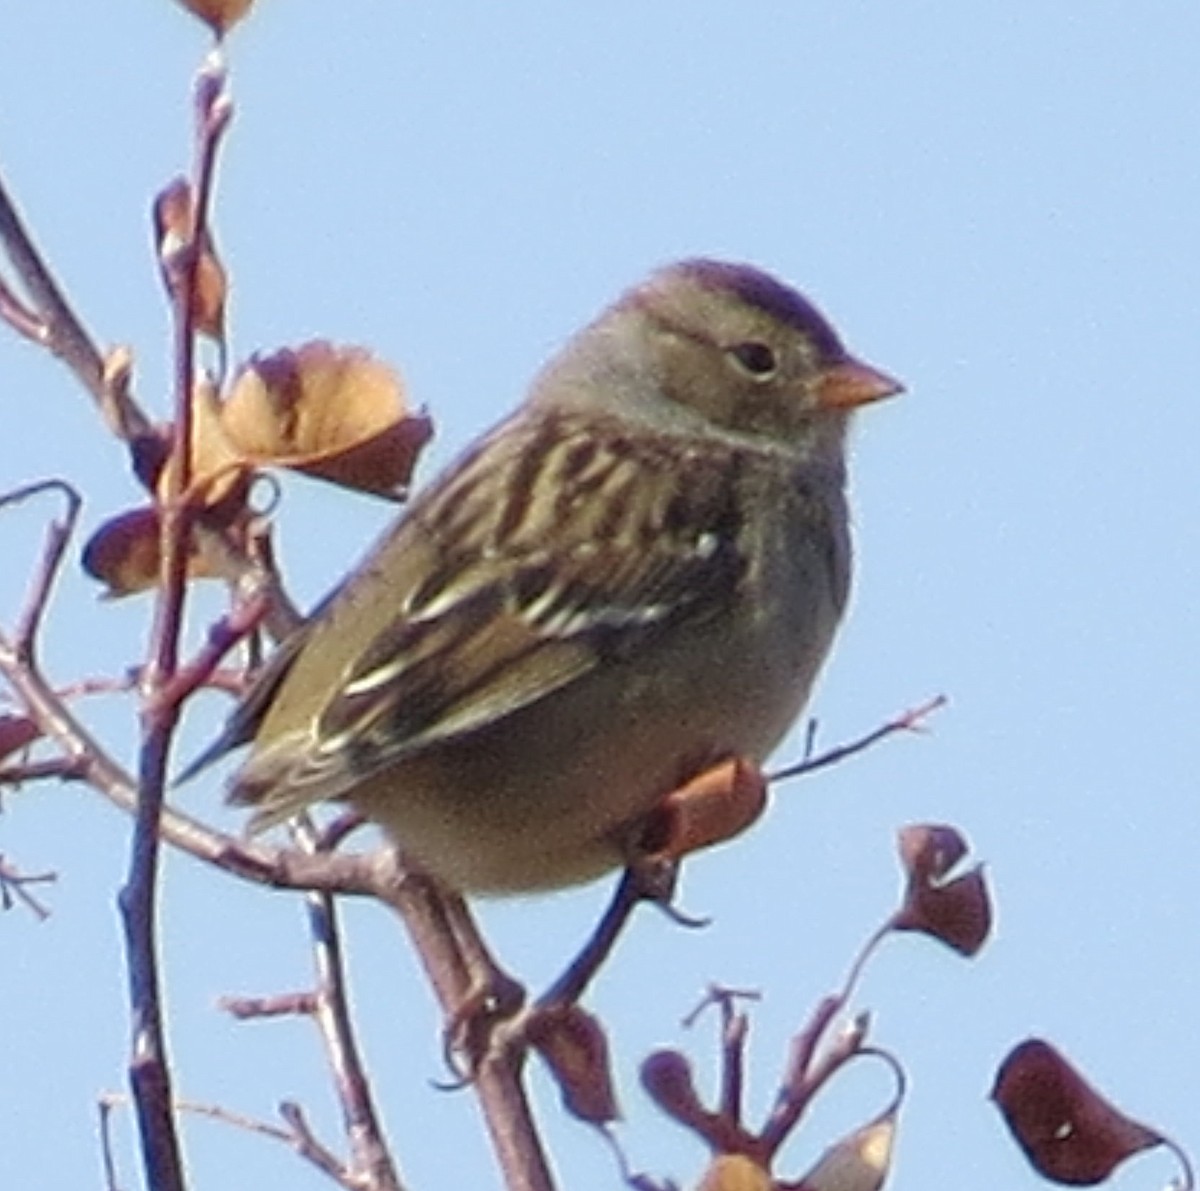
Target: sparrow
x=635 y=576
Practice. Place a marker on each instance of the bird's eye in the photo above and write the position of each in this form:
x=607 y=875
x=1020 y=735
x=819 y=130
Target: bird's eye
x=757 y=359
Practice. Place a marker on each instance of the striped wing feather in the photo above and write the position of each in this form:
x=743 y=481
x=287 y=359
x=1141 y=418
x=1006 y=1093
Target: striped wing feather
x=493 y=605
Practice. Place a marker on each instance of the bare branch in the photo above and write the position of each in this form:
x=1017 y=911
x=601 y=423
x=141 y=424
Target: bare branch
x=497 y=1082
x=293 y=1004
x=58 y=535
x=48 y=314
x=149 y=1072
x=63 y=768
x=371 y=1159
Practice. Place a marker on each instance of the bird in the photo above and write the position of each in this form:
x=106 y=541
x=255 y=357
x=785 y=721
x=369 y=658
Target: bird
x=634 y=576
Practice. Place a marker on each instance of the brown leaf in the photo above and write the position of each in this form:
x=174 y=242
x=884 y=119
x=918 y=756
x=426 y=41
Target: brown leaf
x=332 y=412
x=573 y=1045
x=1069 y=1132
x=123 y=554
x=220 y=477
x=957 y=911
x=667 y=1079
x=173 y=226
x=735 y=1172
x=716 y=806
x=219 y=15
x=16 y=732
x=859 y=1162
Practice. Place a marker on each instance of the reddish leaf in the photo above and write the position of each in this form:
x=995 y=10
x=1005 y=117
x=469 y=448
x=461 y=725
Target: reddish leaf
x=1068 y=1131
x=575 y=1049
x=219 y=15
x=716 y=806
x=667 y=1079
x=16 y=731
x=957 y=911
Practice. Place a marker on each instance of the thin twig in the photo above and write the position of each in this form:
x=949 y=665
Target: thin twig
x=149 y=1068
x=371 y=1158
x=228 y=632
x=368 y=873
x=305 y=1143
x=58 y=537
x=912 y=720
x=55 y=324
x=65 y=768
x=293 y=1004
x=104 y=1107
x=497 y=1082
x=18 y=316
x=14 y=887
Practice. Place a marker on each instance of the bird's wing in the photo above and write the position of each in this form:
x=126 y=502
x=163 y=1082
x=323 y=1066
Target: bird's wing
x=603 y=542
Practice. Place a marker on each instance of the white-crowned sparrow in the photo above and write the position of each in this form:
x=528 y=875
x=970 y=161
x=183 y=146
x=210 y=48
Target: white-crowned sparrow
x=636 y=575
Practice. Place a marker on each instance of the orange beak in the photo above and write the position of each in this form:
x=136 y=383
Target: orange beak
x=852 y=383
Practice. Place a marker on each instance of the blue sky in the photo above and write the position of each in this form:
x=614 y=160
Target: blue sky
x=998 y=204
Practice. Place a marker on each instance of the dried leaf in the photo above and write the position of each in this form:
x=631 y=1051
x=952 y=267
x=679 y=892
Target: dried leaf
x=16 y=732
x=1069 y=1132
x=573 y=1045
x=173 y=226
x=859 y=1162
x=219 y=15
x=332 y=412
x=123 y=554
x=667 y=1079
x=716 y=806
x=220 y=477
x=735 y=1172
x=955 y=910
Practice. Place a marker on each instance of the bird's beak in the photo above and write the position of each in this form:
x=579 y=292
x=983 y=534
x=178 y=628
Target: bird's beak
x=852 y=383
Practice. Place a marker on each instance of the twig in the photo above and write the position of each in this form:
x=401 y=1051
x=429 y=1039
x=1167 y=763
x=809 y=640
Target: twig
x=149 y=1068
x=912 y=720
x=58 y=536
x=65 y=768
x=371 y=1159
x=305 y=1143
x=222 y=637
x=497 y=1082
x=298 y=1135
x=18 y=316
x=279 y=868
x=104 y=1107
x=14 y=886
x=48 y=318
x=293 y=1004
x=573 y=982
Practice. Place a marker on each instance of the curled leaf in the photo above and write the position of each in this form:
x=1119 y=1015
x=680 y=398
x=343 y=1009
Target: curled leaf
x=1069 y=1132
x=860 y=1161
x=955 y=910
x=333 y=412
x=572 y=1044
x=667 y=1079
x=716 y=806
x=124 y=555
x=174 y=229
